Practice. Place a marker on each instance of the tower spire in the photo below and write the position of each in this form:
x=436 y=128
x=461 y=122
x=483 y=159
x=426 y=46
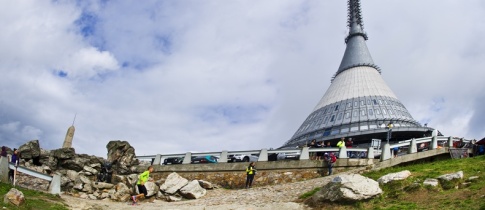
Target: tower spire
x=354 y=21
x=356 y=52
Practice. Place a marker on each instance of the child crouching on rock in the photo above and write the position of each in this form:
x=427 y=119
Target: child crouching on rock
x=141 y=185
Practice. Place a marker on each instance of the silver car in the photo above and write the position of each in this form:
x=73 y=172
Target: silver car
x=242 y=158
x=288 y=156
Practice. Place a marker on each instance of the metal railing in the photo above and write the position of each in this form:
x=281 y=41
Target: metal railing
x=55 y=180
x=304 y=153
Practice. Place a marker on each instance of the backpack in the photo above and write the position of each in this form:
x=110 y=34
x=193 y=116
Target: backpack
x=333 y=158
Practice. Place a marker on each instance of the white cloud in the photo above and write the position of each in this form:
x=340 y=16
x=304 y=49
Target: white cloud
x=177 y=76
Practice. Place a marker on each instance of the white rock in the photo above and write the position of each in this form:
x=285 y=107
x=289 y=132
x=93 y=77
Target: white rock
x=92 y=197
x=348 y=187
x=173 y=183
x=72 y=175
x=84 y=179
x=449 y=177
x=193 y=190
x=172 y=198
x=431 y=182
x=152 y=188
x=90 y=170
x=78 y=186
x=14 y=196
x=394 y=176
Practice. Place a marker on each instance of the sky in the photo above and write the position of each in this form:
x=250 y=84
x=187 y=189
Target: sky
x=209 y=75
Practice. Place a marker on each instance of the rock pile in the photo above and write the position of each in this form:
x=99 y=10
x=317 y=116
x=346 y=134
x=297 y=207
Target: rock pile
x=79 y=174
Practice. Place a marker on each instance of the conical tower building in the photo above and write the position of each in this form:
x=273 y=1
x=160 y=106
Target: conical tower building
x=358 y=103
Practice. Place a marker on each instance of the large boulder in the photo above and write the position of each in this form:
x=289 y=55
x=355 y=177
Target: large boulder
x=122 y=155
x=347 y=187
x=452 y=176
x=193 y=190
x=394 y=176
x=152 y=188
x=449 y=181
x=14 y=196
x=30 y=150
x=173 y=183
x=78 y=162
x=44 y=157
x=121 y=192
x=63 y=153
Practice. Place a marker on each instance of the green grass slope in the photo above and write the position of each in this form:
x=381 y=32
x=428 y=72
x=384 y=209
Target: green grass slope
x=411 y=194
x=34 y=200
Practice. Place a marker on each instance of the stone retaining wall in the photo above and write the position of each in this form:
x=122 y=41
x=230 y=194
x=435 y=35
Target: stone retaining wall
x=233 y=175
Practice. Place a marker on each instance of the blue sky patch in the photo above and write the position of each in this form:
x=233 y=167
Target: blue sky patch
x=87 y=24
x=163 y=43
x=60 y=73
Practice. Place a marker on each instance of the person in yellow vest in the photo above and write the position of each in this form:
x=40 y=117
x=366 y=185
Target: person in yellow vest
x=141 y=185
x=341 y=143
x=250 y=172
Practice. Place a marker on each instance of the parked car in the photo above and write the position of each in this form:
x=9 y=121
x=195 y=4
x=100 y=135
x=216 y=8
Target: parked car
x=242 y=158
x=204 y=159
x=173 y=160
x=288 y=156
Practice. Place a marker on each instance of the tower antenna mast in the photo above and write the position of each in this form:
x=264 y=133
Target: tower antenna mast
x=74 y=119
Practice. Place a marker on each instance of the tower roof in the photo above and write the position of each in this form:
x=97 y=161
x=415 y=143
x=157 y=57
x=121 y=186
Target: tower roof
x=356 y=52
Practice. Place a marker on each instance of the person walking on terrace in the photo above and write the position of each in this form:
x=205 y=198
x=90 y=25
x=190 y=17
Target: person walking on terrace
x=250 y=172
x=141 y=185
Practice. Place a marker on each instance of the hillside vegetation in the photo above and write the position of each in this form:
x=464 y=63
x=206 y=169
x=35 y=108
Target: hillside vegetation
x=411 y=194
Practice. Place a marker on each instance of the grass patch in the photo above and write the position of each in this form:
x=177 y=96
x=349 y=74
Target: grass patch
x=34 y=200
x=309 y=194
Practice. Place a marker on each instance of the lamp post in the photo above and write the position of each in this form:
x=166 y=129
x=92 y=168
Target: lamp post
x=389 y=132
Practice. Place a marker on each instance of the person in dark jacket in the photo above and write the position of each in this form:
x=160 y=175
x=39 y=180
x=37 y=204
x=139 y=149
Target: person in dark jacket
x=15 y=160
x=4 y=152
x=250 y=172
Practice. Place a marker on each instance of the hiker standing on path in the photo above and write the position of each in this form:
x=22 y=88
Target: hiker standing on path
x=250 y=172
x=141 y=185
